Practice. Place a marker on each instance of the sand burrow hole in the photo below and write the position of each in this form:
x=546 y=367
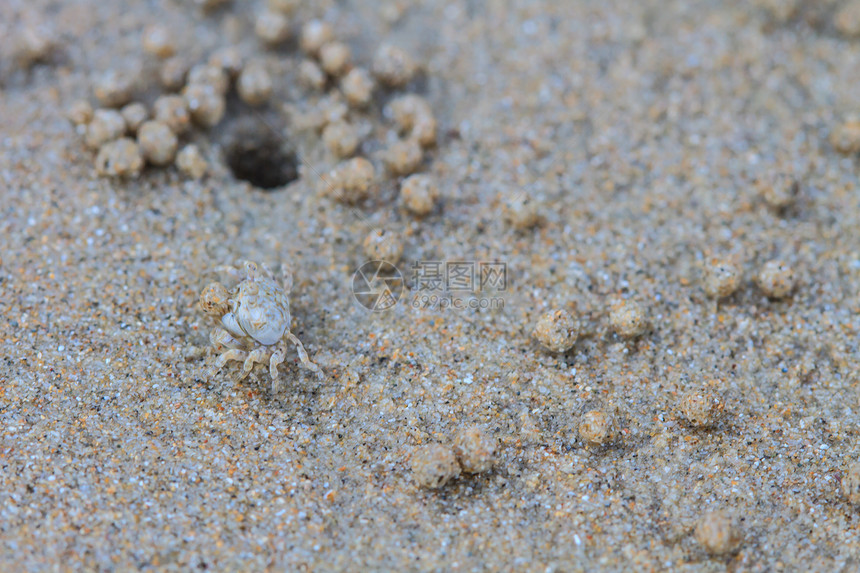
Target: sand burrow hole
x=256 y=153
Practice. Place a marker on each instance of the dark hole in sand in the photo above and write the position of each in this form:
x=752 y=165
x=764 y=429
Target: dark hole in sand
x=254 y=154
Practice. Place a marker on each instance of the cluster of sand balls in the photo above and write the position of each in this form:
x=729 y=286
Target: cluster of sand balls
x=557 y=332
x=127 y=135
x=328 y=66
x=841 y=15
x=723 y=277
x=473 y=451
x=349 y=89
x=354 y=178
x=701 y=409
x=844 y=137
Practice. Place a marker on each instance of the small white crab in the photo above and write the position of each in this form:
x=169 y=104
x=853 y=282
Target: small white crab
x=255 y=316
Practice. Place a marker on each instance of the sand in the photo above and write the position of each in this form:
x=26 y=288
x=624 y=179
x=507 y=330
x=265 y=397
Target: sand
x=638 y=132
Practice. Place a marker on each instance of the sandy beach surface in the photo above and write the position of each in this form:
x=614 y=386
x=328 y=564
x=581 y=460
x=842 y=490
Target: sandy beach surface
x=605 y=152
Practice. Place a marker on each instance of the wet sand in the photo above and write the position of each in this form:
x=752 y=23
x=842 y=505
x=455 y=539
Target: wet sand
x=637 y=130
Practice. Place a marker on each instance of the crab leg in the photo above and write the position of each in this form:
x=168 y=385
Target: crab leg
x=267 y=270
x=232 y=354
x=220 y=337
x=230 y=270
x=258 y=355
x=303 y=355
x=287 y=277
x=276 y=359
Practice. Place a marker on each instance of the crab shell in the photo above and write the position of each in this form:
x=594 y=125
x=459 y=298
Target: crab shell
x=259 y=310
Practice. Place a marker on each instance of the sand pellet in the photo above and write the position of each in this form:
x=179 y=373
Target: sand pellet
x=406 y=109
x=403 y=157
x=335 y=58
x=229 y=59
x=119 y=158
x=214 y=300
x=315 y=34
x=157 y=142
x=357 y=87
x=521 y=211
x=419 y=194
x=205 y=104
x=597 y=428
x=106 y=125
x=779 y=190
x=158 y=41
x=628 y=319
x=392 y=66
x=134 y=115
x=173 y=72
x=717 y=533
x=32 y=43
x=114 y=88
x=191 y=162
x=434 y=466
x=173 y=111
x=475 y=450
x=255 y=84
x=272 y=27
x=722 y=278
x=556 y=330
x=311 y=75
x=80 y=112
x=776 y=279
x=210 y=75
x=701 y=409
x=382 y=245
x=351 y=181
x=415 y=118
x=341 y=139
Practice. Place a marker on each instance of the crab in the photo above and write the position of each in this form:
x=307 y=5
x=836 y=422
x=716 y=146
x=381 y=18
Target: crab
x=254 y=321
